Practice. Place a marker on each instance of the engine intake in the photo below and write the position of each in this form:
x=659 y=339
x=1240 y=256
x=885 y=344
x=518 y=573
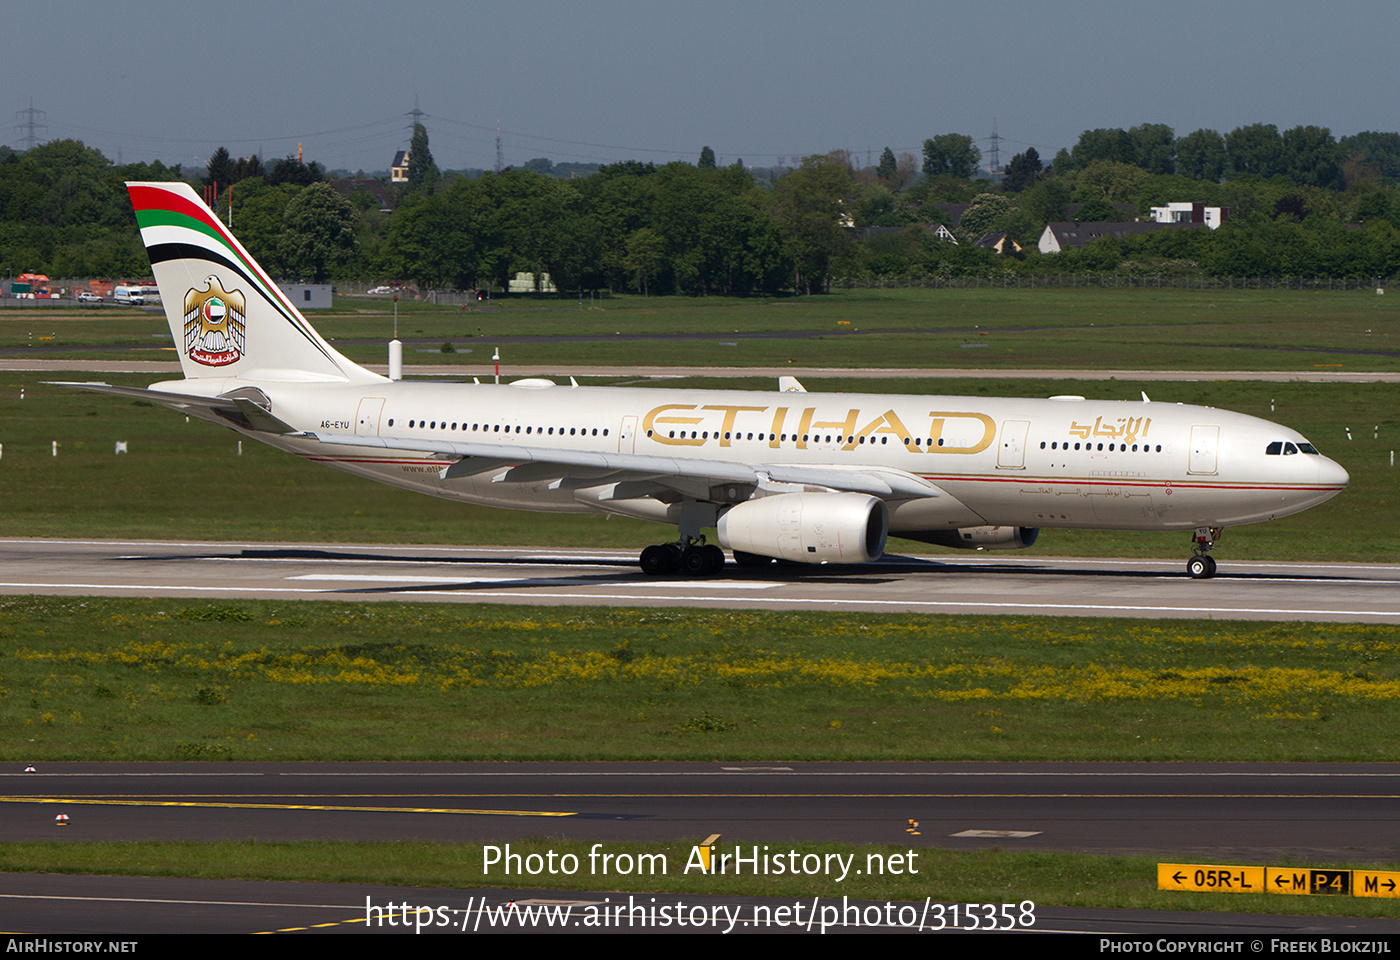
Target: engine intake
x=808 y=527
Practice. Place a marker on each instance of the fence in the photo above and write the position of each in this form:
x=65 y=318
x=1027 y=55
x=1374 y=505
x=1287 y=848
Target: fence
x=1032 y=282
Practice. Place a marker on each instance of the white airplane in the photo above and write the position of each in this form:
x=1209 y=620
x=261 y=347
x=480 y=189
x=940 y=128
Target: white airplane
x=785 y=475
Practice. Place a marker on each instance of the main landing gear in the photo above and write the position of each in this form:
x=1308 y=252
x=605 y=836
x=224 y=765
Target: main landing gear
x=1201 y=566
x=691 y=557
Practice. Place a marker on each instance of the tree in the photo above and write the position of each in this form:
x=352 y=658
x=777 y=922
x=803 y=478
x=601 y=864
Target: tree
x=1045 y=202
x=1378 y=150
x=1310 y=157
x=1105 y=143
x=1099 y=210
x=318 y=234
x=646 y=255
x=888 y=166
x=1154 y=147
x=1201 y=156
x=249 y=166
x=1023 y=171
x=291 y=170
x=220 y=169
x=707 y=159
x=951 y=154
x=981 y=215
x=808 y=209
x=905 y=172
x=1255 y=149
x=1115 y=182
x=423 y=173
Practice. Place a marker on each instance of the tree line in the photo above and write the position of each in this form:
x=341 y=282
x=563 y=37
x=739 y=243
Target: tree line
x=1302 y=204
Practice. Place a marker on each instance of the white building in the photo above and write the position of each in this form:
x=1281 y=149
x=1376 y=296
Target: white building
x=1212 y=217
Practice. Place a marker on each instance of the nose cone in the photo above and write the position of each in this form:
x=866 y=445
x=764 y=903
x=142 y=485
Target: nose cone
x=1331 y=473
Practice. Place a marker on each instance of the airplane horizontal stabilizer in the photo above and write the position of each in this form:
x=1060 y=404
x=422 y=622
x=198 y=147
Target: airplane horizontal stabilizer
x=225 y=410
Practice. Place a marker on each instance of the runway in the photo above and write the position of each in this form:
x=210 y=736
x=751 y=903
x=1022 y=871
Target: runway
x=1249 y=813
x=1225 y=813
x=963 y=583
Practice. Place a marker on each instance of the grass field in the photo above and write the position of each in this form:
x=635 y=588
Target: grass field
x=117 y=679
x=986 y=328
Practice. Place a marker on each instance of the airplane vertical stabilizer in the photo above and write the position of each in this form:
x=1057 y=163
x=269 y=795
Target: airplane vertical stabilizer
x=227 y=316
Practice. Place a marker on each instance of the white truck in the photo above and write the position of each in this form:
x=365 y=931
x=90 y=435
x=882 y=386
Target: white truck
x=130 y=294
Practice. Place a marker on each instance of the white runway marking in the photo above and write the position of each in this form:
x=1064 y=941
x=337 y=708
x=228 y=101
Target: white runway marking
x=524 y=581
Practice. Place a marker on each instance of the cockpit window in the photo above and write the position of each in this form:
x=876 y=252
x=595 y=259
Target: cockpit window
x=1284 y=448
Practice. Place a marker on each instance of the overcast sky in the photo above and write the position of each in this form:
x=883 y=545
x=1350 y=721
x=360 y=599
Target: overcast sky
x=609 y=80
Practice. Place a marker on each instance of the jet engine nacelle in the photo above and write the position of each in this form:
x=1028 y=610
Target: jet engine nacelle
x=808 y=527
x=984 y=538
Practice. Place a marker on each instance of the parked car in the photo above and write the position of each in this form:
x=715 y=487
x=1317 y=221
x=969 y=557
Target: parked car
x=86 y=297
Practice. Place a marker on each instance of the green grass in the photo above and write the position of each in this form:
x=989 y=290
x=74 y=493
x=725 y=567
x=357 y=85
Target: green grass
x=118 y=679
x=1076 y=328
x=993 y=876
x=186 y=479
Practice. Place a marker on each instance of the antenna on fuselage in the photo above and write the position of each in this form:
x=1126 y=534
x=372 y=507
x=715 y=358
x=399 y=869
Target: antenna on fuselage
x=497 y=357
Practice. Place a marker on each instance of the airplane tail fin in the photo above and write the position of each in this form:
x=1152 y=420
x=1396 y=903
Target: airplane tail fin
x=227 y=316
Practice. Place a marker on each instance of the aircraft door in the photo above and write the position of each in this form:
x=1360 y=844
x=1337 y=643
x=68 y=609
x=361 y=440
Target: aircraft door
x=1205 y=441
x=367 y=417
x=627 y=435
x=1011 y=455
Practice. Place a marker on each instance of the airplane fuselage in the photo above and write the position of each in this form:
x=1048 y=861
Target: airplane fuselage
x=1069 y=462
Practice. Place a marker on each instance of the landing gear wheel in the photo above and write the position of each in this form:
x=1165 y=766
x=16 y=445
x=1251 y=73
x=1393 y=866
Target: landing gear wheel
x=696 y=561
x=659 y=560
x=1210 y=566
x=716 y=558
x=1201 y=567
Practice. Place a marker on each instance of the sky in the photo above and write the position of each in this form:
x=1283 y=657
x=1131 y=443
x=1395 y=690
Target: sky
x=764 y=81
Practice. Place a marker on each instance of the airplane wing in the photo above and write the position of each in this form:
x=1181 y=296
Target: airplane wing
x=248 y=408
x=544 y=462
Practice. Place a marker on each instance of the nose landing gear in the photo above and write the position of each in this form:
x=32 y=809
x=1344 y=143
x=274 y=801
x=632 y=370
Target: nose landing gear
x=1201 y=566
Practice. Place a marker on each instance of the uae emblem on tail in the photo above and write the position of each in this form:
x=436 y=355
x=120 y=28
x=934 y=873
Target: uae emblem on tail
x=214 y=321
